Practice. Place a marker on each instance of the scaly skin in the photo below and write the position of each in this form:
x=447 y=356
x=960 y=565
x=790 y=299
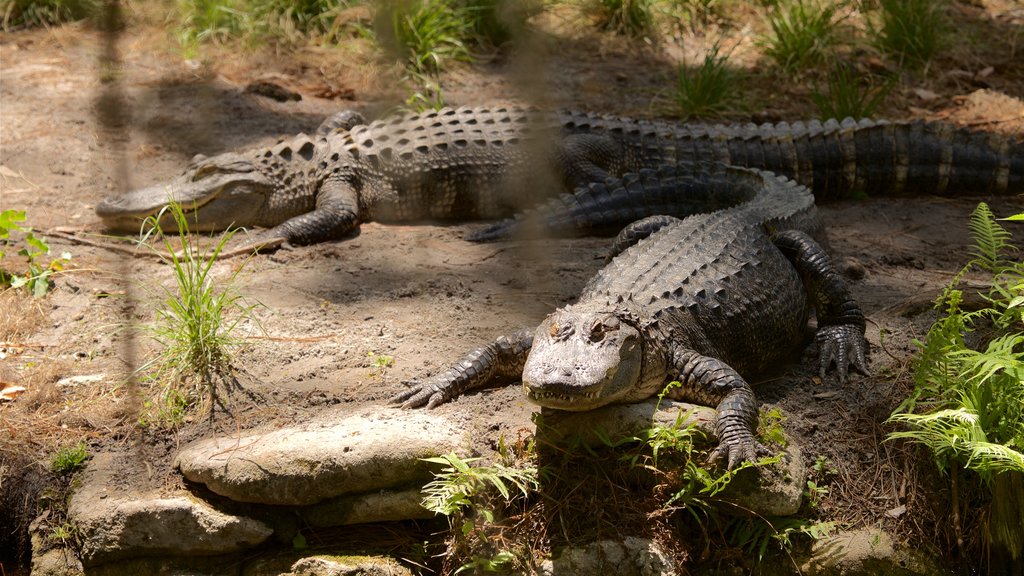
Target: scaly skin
x=489 y=163
x=709 y=301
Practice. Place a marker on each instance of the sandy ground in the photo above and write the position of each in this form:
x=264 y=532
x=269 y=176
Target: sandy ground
x=419 y=294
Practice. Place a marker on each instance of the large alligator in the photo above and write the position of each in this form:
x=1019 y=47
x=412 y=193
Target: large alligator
x=709 y=301
x=489 y=163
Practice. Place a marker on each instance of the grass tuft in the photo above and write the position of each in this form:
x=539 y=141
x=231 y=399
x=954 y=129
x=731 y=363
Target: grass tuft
x=627 y=17
x=69 y=459
x=428 y=35
x=193 y=326
x=802 y=35
x=707 y=89
x=912 y=31
x=33 y=13
x=849 y=95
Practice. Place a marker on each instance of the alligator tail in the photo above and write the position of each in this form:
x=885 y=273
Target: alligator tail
x=876 y=158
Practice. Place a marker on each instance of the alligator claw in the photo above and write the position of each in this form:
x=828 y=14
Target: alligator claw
x=418 y=395
x=497 y=231
x=737 y=450
x=845 y=345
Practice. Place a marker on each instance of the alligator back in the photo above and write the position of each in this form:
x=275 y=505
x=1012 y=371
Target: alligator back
x=715 y=281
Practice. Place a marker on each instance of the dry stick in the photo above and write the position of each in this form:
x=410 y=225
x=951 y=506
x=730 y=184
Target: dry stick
x=71 y=235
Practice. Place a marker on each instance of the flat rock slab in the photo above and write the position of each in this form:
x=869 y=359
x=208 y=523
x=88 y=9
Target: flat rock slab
x=334 y=455
x=325 y=565
x=622 y=421
x=628 y=557
x=117 y=524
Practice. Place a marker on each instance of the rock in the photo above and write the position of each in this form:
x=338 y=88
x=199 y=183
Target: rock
x=621 y=421
x=334 y=455
x=165 y=566
x=381 y=506
x=58 y=561
x=770 y=491
x=866 y=552
x=775 y=491
x=326 y=565
x=631 y=557
x=116 y=524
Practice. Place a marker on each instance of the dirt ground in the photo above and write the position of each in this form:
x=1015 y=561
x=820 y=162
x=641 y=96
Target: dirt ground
x=75 y=131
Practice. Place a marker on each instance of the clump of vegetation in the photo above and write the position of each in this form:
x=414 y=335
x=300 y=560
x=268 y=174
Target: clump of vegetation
x=708 y=89
x=967 y=406
x=629 y=17
x=36 y=277
x=69 y=459
x=803 y=34
x=849 y=95
x=913 y=31
x=32 y=13
x=194 y=327
x=464 y=493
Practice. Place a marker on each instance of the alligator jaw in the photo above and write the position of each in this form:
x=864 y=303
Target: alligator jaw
x=231 y=192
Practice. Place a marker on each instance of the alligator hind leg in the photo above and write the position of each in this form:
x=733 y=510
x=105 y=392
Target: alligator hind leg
x=840 y=320
x=637 y=231
x=340 y=122
x=710 y=381
x=500 y=361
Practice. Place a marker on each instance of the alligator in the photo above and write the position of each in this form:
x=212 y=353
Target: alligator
x=708 y=301
x=490 y=163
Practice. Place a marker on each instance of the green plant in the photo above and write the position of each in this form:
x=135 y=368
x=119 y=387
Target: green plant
x=973 y=396
x=629 y=17
x=380 y=363
x=495 y=22
x=36 y=278
x=756 y=535
x=427 y=34
x=193 y=328
x=913 y=31
x=453 y=488
x=802 y=34
x=849 y=95
x=706 y=89
x=202 y=21
x=69 y=458
x=32 y=13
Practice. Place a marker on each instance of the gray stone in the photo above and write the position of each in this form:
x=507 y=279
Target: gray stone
x=55 y=561
x=292 y=564
x=769 y=491
x=622 y=421
x=380 y=506
x=866 y=552
x=171 y=566
x=333 y=455
x=119 y=523
x=630 y=557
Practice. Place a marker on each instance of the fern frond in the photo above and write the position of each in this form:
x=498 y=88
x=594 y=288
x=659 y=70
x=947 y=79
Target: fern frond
x=991 y=240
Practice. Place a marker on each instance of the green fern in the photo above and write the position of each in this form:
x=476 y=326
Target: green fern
x=991 y=241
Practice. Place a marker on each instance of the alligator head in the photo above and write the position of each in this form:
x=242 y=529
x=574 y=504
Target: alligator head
x=582 y=359
x=218 y=192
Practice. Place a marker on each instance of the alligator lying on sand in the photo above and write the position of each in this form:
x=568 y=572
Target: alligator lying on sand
x=489 y=163
x=709 y=301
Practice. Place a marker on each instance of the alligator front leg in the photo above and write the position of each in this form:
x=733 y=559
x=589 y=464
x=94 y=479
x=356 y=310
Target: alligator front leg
x=498 y=362
x=840 y=320
x=335 y=215
x=711 y=382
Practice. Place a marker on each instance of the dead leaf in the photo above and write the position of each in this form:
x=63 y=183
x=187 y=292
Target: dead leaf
x=925 y=94
x=826 y=395
x=10 y=392
x=897 y=511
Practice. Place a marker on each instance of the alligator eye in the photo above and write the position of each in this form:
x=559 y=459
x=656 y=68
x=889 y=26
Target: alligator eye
x=203 y=171
x=553 y=330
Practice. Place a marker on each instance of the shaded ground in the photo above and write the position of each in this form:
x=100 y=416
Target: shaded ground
x=417 y=293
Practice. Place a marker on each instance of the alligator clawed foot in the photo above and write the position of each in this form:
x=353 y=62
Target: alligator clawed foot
x=418 y=395
x=843 y=344
x=734 y=451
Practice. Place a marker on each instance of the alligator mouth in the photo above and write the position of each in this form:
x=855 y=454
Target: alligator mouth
x=561 y=399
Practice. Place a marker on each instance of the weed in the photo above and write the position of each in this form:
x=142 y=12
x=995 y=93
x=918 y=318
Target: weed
x=192 y=327
x=427 y=35
x=849 y=95
x=495 y=22
x=802 y=34
x=756 y=535
x=974 y=395
x=815 y=493
x=628 y=17
x=208 y=21
x=69 y=459
x=36 y=278
x=706 y=89
x=913 y=31
x=32 y=13
x=380 y=363
x=769 y=428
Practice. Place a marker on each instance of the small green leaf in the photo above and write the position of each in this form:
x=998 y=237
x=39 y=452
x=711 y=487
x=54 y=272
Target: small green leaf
x=1017 y=217
x=299 y=542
